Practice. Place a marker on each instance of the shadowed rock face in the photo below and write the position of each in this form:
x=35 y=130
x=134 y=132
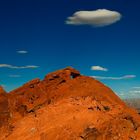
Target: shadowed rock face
x=69 y=106
x=4 y=111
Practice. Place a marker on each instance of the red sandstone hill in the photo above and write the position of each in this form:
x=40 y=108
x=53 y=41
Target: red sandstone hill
x=66 y=106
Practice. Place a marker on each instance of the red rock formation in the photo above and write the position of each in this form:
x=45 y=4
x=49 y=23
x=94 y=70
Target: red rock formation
x=69 y=106
x=4 y=111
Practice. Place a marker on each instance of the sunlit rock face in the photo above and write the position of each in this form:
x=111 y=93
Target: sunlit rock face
x=66 y=106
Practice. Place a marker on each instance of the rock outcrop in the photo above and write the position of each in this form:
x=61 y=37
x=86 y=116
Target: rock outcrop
x=4 y=110
x=66 y=106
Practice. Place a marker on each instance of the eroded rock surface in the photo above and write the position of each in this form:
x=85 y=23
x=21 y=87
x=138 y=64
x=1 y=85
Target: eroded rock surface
x=4 y=110
x=66 y=106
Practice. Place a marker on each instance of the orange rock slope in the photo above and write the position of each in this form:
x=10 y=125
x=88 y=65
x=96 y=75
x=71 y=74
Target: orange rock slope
x=66 y=106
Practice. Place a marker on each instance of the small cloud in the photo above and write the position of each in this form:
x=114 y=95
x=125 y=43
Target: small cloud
x=115 y=78
x=22 y=52
x=136 y=87
x=14 y=76
x=121 y=94
x=97 y=18
x=98 y=68
x=134 y=91
x=3 y=85
x=18 y=67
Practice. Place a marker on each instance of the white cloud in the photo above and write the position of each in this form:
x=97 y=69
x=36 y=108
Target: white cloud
x=134 y=91
x=14 y=76
x=98 y=68
x=121 y=94
x=97 y=18
x=136 y=87
x=114 y=78
x=3 y=85
x=18 y=67
x=22 y=52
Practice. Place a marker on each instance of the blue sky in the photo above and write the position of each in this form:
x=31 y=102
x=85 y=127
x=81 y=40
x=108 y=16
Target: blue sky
x=35 y=33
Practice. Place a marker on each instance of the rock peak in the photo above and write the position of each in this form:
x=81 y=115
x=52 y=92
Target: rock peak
x=2 y=91
x=65 y=74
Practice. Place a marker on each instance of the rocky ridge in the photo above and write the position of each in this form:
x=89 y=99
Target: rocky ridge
x=66 y=105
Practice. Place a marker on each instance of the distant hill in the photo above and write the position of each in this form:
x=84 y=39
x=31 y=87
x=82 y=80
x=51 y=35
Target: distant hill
x=135 y=103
